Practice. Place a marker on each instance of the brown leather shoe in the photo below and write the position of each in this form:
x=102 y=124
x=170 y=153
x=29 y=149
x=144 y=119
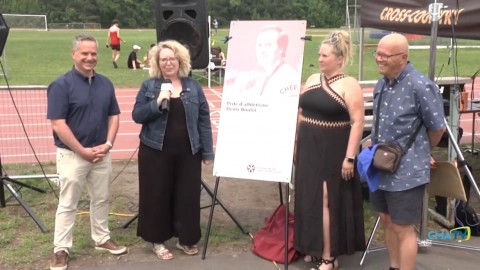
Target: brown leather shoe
x=60 y=260
x=112 y=247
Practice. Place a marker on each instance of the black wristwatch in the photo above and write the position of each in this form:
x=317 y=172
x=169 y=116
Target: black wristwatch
x=350 y=159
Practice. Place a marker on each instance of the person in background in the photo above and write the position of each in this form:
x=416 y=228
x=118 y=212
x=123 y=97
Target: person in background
x=408 y=99
x=113 y=41
x=215 y=26
x=146 y=58
x=132 y=61
x=176 y=136
x=223 y=60
x=328 y=195
x=84 y=115
x=218 y=58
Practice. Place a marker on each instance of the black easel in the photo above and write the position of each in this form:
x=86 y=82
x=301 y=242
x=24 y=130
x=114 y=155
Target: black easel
x=214 y=198
x=208 y=189
x=7 y=183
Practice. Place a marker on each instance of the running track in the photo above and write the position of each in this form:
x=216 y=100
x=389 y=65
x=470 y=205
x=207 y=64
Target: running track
x=15 y=148
x=31 y=105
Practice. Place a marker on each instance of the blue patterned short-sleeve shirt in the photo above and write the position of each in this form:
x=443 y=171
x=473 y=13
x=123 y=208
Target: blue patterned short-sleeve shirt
x=409 y=98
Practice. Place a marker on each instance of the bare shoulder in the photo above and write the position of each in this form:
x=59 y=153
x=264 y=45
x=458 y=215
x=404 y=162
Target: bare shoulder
x=312 y=80
x=350 y=79
x=351 y=83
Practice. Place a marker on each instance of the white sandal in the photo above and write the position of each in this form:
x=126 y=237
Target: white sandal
x=162 y=252
x=189 y=250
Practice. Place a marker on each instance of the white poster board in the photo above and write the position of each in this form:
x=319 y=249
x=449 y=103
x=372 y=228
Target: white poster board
x=258 y=116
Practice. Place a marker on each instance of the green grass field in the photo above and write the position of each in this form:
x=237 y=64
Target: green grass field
x=37 y=57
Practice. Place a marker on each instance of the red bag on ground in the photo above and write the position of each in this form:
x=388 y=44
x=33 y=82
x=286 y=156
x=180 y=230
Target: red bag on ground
x=269 y=241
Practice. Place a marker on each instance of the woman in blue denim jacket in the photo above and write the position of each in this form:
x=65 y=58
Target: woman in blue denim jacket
x=176 y=137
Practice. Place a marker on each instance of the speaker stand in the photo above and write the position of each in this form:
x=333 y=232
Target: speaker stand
x=7 y=183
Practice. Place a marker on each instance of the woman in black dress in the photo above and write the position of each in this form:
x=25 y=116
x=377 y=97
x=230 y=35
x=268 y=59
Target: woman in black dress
x=328 y=197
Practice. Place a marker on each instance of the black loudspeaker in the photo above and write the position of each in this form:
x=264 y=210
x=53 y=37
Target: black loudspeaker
x=3 y=33
x=185 y=21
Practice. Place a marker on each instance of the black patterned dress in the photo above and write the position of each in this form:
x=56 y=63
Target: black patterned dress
x=322 y=141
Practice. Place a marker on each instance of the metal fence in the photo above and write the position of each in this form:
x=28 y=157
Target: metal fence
x=26 y=132
x=74 y=26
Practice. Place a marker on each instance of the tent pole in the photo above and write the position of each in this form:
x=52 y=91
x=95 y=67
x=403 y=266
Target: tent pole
x=435 y=11
x=361 y=54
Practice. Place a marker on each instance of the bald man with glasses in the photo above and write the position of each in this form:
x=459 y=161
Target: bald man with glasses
x=404 y=100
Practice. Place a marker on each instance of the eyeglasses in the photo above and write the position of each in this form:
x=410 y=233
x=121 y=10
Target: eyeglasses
x=332 y=39
x=168 y=59
x=385 y=56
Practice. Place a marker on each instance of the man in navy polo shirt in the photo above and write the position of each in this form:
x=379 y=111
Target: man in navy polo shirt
x=84 y=114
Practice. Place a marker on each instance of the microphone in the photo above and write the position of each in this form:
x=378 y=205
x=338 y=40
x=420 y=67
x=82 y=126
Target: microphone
x=166 y=86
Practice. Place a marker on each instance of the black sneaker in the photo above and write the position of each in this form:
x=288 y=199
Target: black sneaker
x=115 y=64
x=112 y=247
x=60 y=260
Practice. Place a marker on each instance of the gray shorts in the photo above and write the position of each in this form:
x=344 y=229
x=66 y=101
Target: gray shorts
x=404 y=207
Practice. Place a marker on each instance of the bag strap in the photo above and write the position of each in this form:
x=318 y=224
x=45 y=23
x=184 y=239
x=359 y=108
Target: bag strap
x=412 y=137
x=378 y=112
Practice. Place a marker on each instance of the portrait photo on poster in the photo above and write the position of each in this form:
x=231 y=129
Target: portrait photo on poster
x=268 y=61
x=260 y=100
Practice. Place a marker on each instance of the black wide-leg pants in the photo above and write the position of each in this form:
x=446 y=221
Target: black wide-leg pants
x=169 y=195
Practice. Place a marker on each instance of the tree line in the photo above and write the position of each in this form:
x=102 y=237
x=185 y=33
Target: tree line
x=141 y=13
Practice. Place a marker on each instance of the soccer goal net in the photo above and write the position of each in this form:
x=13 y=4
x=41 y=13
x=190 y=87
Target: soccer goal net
x=24 y=21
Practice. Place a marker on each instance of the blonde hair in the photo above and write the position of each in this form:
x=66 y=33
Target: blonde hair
x=342 y=46
x=181 y=53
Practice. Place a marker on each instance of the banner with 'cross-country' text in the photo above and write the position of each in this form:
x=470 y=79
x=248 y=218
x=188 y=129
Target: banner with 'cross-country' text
x=457 y=18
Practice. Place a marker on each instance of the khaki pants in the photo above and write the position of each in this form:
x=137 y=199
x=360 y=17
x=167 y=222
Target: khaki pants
x=73 y=173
